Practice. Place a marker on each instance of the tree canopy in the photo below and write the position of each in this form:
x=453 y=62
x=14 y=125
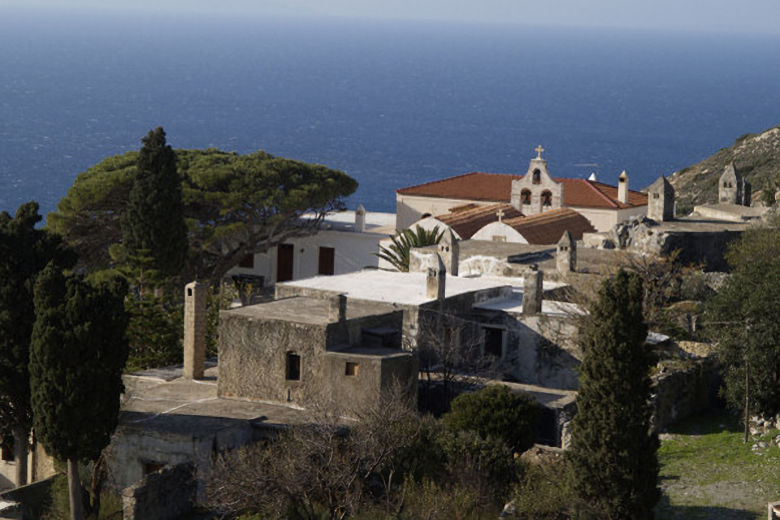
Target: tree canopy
x=743 y=317
x=234 y=205
x=613 y=450
x=24 y=251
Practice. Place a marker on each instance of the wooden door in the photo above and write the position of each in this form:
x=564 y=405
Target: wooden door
x=327 y=261
x=284 y=262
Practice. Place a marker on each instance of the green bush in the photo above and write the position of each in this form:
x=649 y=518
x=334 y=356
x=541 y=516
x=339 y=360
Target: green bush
x=543 y=493
x=498 y=412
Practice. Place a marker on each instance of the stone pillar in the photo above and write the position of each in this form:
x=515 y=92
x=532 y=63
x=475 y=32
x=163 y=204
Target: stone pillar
x=337 y=309
x=532 y=290
x=514 y=195
x=360 y=219
x=436 y=279
x=623 y=187
x=566 y=254
x=449 y=251
x=194 y=330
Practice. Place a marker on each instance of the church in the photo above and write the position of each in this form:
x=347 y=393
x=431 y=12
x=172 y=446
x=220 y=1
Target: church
x=603 y=205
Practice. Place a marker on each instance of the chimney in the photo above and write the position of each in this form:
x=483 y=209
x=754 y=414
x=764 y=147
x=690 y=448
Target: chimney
x=514 y=198
x=337 y=308
x=194 y=330
x=435 y=280
x=532 y=290
x=449 y=251
x=566 y=254
x=360 y=219
x=623 y=187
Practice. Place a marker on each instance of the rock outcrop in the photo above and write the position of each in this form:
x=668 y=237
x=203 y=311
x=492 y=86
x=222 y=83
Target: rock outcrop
x=757 y=158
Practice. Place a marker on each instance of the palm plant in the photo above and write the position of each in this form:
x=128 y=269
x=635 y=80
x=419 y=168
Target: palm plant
x=397 y=253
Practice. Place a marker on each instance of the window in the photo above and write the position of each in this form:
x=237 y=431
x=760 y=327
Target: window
x=546 y=198
x=7 y=450
x=293 y=367
x=494 y=341
x=536 y=176
x=525 y=196
x=248 y=262
x=656 y=196
x=351 y=369
x=152 y=467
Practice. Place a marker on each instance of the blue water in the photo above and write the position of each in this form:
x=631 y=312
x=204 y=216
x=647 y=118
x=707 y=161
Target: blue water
x=392 y=104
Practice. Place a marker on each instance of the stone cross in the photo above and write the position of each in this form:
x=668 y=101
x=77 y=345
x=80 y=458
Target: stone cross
x=539 y=151
x=500 y=214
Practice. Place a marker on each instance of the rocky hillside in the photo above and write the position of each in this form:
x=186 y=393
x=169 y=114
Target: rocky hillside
x=757 y=157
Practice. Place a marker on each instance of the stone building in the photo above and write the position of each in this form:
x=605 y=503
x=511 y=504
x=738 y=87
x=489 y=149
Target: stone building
x=303 y=349
x=660 y=203
x=347 y=241
x=733 y=188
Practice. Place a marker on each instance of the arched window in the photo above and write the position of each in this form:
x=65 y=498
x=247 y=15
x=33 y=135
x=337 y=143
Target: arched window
x=536 y=176
x=546 y=198
x=525 y=196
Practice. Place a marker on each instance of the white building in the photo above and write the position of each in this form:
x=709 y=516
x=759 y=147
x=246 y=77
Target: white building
x=348 y=241
x=534 y=192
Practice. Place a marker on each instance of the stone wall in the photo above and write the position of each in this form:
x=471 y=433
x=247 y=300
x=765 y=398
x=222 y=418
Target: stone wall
x=544 y=351
x=32 y=500
x=682 y=392
x=163 y=495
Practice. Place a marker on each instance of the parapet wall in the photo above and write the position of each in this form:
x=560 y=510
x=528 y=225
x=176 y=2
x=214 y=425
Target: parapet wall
x=163 y=495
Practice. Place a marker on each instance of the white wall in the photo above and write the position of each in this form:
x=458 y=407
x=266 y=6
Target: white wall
x=411 y=208
x=605 y=219
x=353 y=252
x=499 y=229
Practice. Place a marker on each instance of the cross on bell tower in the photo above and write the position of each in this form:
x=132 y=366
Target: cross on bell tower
x=500 y=214
x=539 y=151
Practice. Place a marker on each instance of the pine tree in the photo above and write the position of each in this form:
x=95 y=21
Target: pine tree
x=613 y=451
x=154 y=219
x=24 y=251
x=78 y=352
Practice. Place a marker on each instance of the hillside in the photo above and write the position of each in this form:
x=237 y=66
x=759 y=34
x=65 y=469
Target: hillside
x=757 y=157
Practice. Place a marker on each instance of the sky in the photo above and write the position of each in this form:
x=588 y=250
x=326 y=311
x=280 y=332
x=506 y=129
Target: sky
x=761 y=16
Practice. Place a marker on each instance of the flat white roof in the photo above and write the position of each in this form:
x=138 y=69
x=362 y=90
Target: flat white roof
x=403 y=288
x=376 y=221
x=395 y=287
x=515 y=305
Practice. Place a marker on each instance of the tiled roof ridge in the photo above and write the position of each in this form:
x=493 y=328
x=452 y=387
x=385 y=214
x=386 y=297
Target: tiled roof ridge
x=540 y=218
x=448 y=179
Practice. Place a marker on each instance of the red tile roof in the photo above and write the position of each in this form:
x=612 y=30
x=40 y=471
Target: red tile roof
x=466 y=222
x=547 y=227
x=497 y=187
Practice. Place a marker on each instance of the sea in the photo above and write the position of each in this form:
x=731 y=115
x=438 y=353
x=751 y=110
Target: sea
x=392 y=103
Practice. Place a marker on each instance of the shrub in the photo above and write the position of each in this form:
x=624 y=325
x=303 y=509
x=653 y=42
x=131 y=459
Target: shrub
x=498 y=412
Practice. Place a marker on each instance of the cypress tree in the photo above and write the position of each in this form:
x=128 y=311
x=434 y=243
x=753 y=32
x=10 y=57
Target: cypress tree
x=78 y=352
x=24 y=251
x=153 y=223
x=613 y=450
